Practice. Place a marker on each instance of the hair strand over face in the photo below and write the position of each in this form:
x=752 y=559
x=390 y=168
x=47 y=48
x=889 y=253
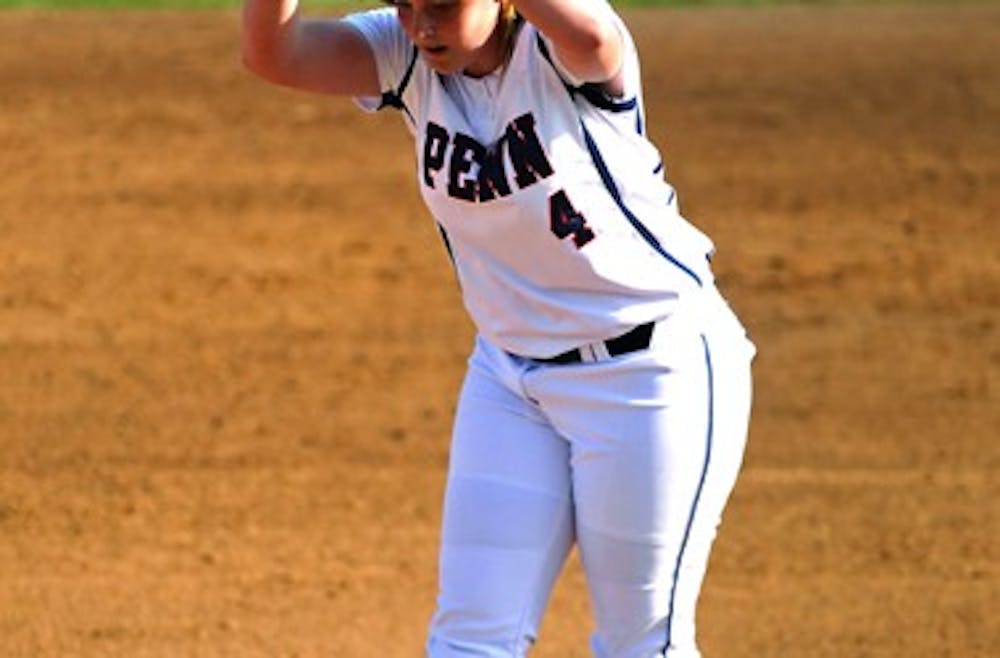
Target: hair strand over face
x=510 y=19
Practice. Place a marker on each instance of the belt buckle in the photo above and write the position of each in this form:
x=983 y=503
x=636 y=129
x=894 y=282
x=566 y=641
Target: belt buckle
x=633 y=340
x=594 y=352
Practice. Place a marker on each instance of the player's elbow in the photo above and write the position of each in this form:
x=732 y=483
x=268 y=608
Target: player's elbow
x=256 y=54
x=252 y=61
x=265 y=62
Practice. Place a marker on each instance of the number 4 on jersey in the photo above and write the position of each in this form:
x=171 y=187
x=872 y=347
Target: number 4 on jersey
x=564 y=220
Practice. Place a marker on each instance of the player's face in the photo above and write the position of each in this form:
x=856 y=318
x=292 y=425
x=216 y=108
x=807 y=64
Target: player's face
x=454 y=35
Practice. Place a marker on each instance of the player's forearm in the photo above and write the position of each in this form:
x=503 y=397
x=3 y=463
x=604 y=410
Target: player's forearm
x=268 y=29
x=582 y=32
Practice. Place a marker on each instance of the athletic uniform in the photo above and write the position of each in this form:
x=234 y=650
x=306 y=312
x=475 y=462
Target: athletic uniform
x=608 y=393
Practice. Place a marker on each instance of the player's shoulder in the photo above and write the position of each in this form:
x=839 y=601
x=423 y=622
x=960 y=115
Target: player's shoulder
x=382 y=29
x=391 y=47
x=374 y=21
x=542 y=49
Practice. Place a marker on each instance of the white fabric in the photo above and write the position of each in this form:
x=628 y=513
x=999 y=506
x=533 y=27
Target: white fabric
x=610 y=455
x=527 y=289
x=630 y=458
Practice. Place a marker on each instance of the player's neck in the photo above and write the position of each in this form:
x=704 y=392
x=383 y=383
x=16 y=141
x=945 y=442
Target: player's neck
x=492 y=55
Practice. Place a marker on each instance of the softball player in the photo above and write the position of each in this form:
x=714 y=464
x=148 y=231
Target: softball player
x=608 y=392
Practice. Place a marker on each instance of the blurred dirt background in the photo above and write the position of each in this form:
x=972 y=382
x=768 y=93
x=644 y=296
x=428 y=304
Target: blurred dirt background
x=230 y=340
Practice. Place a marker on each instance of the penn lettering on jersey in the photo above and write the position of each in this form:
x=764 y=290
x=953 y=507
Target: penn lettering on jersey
x=477 y=173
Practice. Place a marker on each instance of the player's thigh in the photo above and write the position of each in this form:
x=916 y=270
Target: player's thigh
x=653 y=464
x=635 y=502
x=508 y=475
x=507 y=524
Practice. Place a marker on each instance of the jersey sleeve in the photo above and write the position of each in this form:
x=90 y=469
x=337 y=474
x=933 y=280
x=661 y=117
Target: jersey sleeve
x=390 y=45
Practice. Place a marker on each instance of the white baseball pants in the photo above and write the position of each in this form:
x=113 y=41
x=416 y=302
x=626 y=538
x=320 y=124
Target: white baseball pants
x=632 y=458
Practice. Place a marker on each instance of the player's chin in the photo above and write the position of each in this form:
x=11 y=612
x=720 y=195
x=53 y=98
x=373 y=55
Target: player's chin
x=440 y=60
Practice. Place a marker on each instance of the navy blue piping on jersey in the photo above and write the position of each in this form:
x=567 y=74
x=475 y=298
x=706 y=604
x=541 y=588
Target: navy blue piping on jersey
x=596 y=97
x=609 y=183
x=447 y=243
x=602 y=168
x=697 y=495
x=394 y=97
x=593 y=93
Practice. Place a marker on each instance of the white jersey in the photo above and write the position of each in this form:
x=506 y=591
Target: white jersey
x=549 y=196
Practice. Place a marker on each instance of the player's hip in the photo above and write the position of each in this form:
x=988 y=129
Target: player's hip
x=701 y=331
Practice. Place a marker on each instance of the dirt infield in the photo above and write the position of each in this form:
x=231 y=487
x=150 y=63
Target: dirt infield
x=230 y=340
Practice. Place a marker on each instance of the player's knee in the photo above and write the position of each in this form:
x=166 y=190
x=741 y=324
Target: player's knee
x=445 y=644
x=648 y=645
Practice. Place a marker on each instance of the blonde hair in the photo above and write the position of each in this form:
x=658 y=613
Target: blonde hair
x=510 y=20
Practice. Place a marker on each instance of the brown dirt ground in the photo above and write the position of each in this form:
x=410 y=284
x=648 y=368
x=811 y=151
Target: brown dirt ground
x=230 y=340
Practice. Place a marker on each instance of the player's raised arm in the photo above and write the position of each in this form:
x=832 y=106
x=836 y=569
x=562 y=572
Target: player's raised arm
x=316 y=54
x=583 y=34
